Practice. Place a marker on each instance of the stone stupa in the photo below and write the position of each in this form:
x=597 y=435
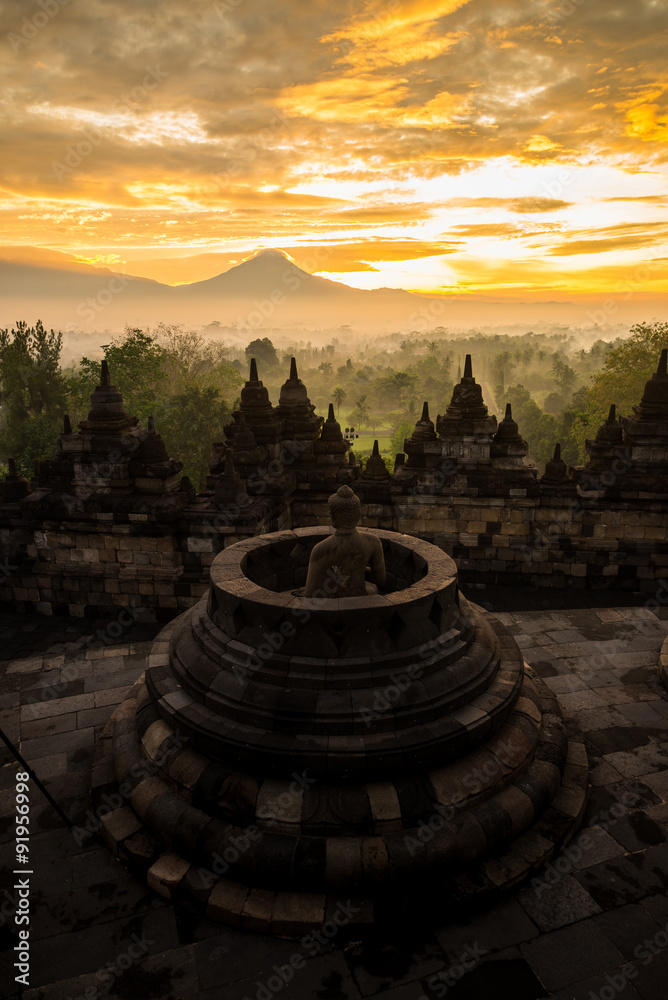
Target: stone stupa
x=282 y=753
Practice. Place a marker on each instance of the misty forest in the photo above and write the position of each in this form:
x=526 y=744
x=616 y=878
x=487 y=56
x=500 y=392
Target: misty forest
x=559 y=382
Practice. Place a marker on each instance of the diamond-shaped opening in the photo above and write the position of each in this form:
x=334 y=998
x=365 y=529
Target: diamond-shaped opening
x=239 y=619
x=436 y=614
x=279 y=565
x=420 y=564
x=339 y=632
x=395 y=628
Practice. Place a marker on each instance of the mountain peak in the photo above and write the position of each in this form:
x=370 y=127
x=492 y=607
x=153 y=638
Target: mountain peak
x=268 y=253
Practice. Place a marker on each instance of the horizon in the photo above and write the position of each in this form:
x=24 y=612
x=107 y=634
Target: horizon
x=457 y=148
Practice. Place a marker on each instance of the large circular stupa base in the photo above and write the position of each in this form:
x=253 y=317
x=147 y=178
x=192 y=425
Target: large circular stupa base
x=286 y=763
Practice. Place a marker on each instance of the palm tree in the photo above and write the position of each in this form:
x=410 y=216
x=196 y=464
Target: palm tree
x=326 y=367
x=361 y=410
x=338 y=395
x=410 y=409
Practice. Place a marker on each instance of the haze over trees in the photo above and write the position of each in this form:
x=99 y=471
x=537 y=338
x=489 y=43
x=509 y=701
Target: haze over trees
x=33 y=392
x=559 y=389
x=184 y=381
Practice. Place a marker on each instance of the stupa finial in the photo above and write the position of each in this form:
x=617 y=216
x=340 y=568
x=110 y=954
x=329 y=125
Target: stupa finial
x=253 y=371
x=468 y=367
x=293 y=369
x=105 y=380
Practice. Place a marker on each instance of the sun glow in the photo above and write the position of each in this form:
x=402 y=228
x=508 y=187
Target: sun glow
x=510 y=150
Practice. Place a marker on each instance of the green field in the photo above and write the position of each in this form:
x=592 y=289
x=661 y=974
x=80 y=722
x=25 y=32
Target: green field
x=364 y=444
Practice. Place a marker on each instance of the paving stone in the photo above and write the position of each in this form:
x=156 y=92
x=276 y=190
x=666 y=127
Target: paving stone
x=601 y=680
x=614 y=809
x=111 y=697
x=600 y=986
x=58 y=743
x=555 y=904
x=659 y=814
x=567 y=684
x=504 y=975
x=641 y=692
x=576 y=701
x=564 y=635
x=246 y=952
x=97 y=904
x=48 y=726
x=615 y=693
x=571 y=954
x=380 y=965
x=652 y=976
x=171 y=973
x=96 y=867
x=125 y=679
x=58 y=706
x=627 y=927
x=657 y=907
x=66 y=955
x=596 y=845
x=597 y=719
x=658 y=782
x=609 y=741
x=603 y=773
x=608 y=615
x=25 y=666
x=326 y=975
x=642 y=713
x=412 y=991
x=44 y=767
x=641 y=761
x=627 y=879
x=625 y=661
x=498 y=927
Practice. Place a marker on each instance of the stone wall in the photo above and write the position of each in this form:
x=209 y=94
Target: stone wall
x=91 y=566
x=539 y=542
x=107 y=524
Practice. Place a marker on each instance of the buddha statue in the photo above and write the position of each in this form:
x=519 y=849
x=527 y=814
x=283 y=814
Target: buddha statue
x=338 y=565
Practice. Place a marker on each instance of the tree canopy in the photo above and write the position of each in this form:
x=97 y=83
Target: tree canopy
x=263 y=351
x=32 y=393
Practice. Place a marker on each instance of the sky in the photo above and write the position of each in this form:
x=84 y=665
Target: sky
x=514 y=148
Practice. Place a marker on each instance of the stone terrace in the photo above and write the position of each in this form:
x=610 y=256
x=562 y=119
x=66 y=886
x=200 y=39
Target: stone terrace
x=576 y=932
x=109 y=526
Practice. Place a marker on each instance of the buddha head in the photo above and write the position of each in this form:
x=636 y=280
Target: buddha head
x=345 y=510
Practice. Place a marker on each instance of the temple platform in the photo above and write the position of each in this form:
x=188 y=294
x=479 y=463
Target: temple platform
x=597 y=913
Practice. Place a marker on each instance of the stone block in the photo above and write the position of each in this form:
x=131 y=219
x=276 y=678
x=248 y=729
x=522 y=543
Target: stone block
x=295 y=913
x=117 y=825
x=257 y=912
x=166 y=874
x=226 y=902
